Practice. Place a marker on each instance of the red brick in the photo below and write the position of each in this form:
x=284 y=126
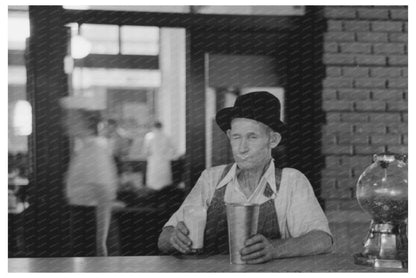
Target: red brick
x=371 y=37
x=388 y=26
x=353 y=94
x=346 y=183
x=328 y=187
x=400 y=149
x=337 y=172
x=339 y=59
x=336 y=149
x=327 y=192
x=397 y=83
x=378 y=60
x=405 y=95
x=356 y=161
x=397 y=106
x=386 y=139
x=370 y=128
x=329 y=140
x=368 y=149
x=404 y=117
x=355 y=71
x=354 y=117
x=373 y=13
x=332 y=128
x=398 y=37
x=339 y=105
x=332 y=161
x=355 y=47
x=404 y=72
x=339 y=12
x=385 y=117
x=389 y=48
x=333 y=71
x=393 y=95
x=385 y=72
x=331 y=47
x=397 y=60
x=339 y=36
x=405 y=139
x=329 y=94
x=370 y=105
x=334 y=25
x=356 y=25
x=337 y=193
x=405 y=28
x=337 y=82
x=400 y=14
x=333 y=117
x=370 y=83
x=397 y=128
x=328 y=182
x=352 y=139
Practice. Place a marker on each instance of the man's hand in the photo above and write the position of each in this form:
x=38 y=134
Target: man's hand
x=179 y=238
x=258 y=249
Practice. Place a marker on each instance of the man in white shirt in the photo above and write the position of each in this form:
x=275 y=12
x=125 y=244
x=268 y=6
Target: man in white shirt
x=159 y=152
x=291 y=222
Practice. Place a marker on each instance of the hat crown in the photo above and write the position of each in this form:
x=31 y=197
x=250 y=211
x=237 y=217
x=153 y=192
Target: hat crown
x=258 y=103
x=260 y=106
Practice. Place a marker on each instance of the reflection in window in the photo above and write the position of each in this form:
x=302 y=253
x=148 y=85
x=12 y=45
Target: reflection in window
x=22 y=118
x=104 y=38
x=139 y=40
x=19 y=110
x=18 y=30
x=84 y=78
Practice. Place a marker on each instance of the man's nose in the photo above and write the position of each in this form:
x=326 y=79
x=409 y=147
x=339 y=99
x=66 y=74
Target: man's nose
x=243 y=147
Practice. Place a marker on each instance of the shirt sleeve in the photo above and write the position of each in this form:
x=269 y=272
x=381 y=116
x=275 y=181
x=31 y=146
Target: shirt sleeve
x=304 y=212
x=199 y=196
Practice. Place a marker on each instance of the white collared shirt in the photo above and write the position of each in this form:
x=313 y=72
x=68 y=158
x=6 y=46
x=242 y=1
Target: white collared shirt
x=297 y=208
x=234 y=194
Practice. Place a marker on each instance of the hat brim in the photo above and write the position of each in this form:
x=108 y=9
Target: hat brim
x=225 y=116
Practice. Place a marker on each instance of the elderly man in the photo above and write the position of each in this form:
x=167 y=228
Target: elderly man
x=291 y=222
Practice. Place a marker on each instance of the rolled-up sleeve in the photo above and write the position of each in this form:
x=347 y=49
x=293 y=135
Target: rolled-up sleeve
x=304 y=212
x=199 y=196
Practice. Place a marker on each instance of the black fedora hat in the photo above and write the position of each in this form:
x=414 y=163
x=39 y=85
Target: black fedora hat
x=260 y=106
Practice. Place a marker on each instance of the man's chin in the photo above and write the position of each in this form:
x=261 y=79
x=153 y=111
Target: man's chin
x=244 y=165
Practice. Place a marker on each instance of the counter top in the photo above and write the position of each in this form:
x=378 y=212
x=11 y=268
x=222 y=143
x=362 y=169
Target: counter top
x=220 y=263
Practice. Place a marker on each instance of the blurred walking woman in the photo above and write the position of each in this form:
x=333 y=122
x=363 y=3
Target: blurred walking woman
x=91 y=179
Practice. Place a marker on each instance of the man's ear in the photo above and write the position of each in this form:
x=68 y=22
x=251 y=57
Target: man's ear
x=275 y=139
x=228 y=133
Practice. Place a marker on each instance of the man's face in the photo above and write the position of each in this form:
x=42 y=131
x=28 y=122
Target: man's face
x=251 y=143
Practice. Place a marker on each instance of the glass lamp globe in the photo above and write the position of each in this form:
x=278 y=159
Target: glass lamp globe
x=382 y=192
x=382 y=189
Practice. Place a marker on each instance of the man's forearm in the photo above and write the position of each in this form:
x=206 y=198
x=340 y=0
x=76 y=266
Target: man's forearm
x=312 y=243
x=163 y=243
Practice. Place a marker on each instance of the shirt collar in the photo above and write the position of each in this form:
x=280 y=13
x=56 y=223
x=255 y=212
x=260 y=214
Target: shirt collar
x=269 y=175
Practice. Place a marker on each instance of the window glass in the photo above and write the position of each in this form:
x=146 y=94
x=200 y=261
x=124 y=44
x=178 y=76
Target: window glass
x=19 y=110
x=139 y=40
x=103 y=38
x=18 y=30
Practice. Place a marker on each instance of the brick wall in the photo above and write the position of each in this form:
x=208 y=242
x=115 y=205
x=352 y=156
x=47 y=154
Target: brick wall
x=364 y=96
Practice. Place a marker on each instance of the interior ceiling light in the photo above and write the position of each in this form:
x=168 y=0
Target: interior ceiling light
x=22 y=118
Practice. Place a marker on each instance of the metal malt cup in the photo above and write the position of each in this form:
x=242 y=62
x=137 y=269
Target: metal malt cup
x=242 y=224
